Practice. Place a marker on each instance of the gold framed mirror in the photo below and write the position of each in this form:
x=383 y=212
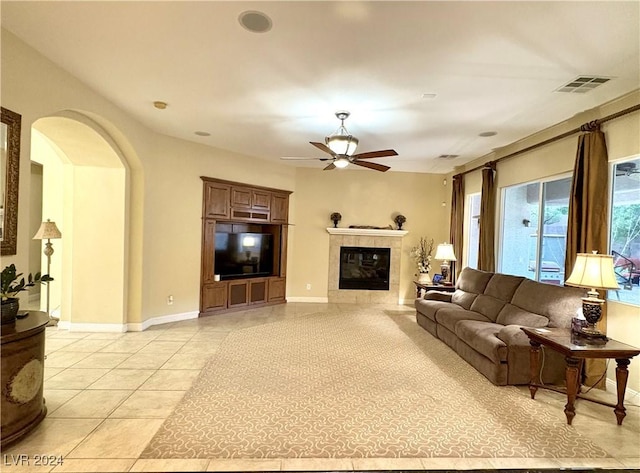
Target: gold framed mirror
x=10 y=171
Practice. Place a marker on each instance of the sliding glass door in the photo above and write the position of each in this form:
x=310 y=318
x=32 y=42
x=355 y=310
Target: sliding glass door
x=534 y=230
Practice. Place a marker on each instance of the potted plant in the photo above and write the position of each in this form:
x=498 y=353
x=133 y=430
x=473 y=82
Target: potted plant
x=421 y=253
x=400 y=219
x=11 y=283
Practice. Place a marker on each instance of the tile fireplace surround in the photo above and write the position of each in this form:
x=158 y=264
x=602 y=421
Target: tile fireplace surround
x=368 y=238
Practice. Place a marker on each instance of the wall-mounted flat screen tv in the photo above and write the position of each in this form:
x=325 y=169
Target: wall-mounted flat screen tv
x=243 y=255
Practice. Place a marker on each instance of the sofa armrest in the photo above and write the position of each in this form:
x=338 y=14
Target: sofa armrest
x=438 y=296
x=512 y=335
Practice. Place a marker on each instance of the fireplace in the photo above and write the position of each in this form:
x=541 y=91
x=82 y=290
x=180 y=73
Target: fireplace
x=364 y=268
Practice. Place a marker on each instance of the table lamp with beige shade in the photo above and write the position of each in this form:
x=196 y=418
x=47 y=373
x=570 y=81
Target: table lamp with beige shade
x=445 y=253
x=48 y=231
x=593 y=271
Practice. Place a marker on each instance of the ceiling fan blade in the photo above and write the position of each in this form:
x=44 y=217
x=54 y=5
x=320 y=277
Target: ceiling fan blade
x=376 y=154
x=293 y=158
x=377 y=167
x=330 y=167
x=323 y=147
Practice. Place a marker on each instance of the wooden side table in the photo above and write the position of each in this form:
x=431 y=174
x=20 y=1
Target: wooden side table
x=22 y=363
x=431 y=287
x=575 y=349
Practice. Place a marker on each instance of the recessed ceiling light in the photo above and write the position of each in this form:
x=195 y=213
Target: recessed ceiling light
x=202 y=133
x=255 y=21
x=160 y=105
x=486 y=134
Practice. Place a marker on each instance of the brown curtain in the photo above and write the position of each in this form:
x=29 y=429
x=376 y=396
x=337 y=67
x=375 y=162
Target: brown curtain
x=587 y=226
x=456 y=225
x=486 y=251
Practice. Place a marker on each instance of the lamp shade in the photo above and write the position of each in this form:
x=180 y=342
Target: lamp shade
x=445 y=252
x=47 y=231
x=342 y=143
x=593 y=271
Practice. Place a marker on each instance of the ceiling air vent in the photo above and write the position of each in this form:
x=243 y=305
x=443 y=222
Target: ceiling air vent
x=448 y=156
x=583 y=84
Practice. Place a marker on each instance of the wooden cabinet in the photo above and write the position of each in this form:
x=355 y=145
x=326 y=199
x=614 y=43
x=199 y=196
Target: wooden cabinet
x=217 y=200
x=22 y=372
x=279 y=208
x=277 y=289
x=238 y=293
x=235 y=207
x=214 y=296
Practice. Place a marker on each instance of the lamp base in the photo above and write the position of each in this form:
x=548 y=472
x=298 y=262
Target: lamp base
x=592 y=332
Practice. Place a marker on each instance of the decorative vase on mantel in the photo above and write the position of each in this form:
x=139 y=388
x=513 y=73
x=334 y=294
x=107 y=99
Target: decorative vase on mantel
x=424 y=278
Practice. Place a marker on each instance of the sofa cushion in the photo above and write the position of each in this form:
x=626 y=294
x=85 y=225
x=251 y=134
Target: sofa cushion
x=483 y=337
x=463 y=299
x=513 y=315
x=558 y=303
x=450 y=316
x=488 y=306
x=473 y=280
x=428 y=308
x=503 y=286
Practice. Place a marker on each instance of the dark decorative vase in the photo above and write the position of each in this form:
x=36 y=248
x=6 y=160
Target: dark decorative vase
x=399 y=226
x=10 y=310
x=335 y=223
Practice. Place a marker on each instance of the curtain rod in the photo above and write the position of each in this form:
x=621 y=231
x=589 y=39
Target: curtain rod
x=590 y=126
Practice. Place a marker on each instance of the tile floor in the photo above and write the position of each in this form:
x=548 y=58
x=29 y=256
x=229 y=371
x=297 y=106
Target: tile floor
x=108 y=393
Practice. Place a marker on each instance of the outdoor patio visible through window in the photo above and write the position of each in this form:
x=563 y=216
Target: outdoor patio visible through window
x=625 y=230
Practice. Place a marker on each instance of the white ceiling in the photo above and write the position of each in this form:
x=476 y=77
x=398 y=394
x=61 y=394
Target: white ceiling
x=494 y=66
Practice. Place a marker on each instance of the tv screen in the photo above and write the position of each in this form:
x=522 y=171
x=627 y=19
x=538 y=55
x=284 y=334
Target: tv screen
x=243 y=254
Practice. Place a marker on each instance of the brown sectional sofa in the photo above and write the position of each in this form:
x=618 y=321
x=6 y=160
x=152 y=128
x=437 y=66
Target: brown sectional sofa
x=481 y=321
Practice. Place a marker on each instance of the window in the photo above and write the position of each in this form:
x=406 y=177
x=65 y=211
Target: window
x=474 y=231
x=528 y=211
x=625 y=230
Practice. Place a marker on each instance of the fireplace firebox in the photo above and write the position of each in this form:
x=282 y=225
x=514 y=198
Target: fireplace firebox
x=364 y=268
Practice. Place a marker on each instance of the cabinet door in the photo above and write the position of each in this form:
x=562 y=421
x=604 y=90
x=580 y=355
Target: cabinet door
x=208 y=250
x=241 y=197
x=279 y=208
x=238 y=293
x=260 y=200
x=257 y=291
x=216 y=200
x=214 y=297
x=277 y=289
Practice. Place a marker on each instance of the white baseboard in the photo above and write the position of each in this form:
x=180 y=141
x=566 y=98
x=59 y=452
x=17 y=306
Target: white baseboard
x=320 y=300
x=163 y=319
x=130 y=327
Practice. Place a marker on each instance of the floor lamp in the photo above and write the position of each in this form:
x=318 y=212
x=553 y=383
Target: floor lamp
x=48 y=231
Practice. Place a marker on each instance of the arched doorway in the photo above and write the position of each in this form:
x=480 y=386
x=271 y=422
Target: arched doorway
x=85 y=191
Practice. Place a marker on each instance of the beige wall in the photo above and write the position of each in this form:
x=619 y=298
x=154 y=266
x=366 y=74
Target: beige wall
x=363 y=198
x=623 y=141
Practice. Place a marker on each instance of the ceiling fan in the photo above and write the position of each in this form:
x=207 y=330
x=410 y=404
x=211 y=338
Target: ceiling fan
x=341 y=145
x=626 y=169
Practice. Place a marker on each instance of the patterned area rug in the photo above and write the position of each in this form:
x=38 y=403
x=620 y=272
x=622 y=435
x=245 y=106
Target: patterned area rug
x=355 y=385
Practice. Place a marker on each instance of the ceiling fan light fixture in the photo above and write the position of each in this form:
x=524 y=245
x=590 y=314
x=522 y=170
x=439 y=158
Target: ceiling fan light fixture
x=341 y=163
x=342 y=142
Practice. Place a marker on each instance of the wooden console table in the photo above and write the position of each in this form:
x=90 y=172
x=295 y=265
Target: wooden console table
x=575 y=349
x=22 y=355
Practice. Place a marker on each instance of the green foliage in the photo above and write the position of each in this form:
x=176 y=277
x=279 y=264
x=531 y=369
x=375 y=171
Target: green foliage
x=625 y=227
x=10 y=286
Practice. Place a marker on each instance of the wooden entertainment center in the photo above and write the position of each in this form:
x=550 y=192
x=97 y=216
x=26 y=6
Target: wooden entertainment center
x=231 y=210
